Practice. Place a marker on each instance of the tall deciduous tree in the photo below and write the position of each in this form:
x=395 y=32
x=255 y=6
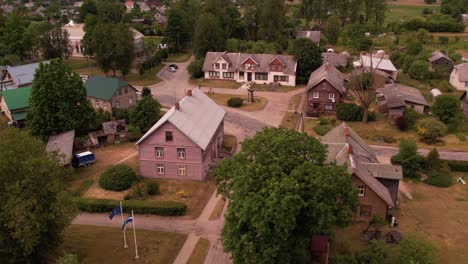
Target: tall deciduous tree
x=113 y=47
x=308 y=57
x=272 y=211
x=54 y=44
x=209 y=35
x=333 y=29
x=146 y=113
x=272 y=21
x=58 y=101
x=177 y=35
x=35 y=207
x=447 y=108
x=13 y=39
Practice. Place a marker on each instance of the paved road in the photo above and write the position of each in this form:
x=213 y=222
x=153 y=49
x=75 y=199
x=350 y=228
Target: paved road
x=387 y=151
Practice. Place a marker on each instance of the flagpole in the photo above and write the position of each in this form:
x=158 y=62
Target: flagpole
x=134 y=236
x=123 y=230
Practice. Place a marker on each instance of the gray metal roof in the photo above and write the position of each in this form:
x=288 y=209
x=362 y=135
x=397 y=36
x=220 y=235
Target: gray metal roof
x=198 y=118
x=385 y=171
x=23 y=74
x=263 y=61
x=377 y=62
x=63 y=145
x=312 y=35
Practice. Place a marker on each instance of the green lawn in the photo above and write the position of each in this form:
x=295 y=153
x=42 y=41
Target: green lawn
x=179 y=57
x=396 y=13
x=89 y=67
x=93 y=244
x=199 y=252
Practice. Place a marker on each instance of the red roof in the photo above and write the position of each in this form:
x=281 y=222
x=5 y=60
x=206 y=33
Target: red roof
x=319 y=244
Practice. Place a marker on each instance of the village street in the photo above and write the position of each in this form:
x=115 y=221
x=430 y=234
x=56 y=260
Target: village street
x=239 y=123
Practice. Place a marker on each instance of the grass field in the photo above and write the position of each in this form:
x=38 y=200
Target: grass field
x=222 y=99
x=397 y=13
x=88 y=67
x=216 y=214
x=215 y=83
x=95 y=245
x=199 y=252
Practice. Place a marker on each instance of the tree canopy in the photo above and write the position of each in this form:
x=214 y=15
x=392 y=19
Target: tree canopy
x=35 y=207
x=58 y=101
x=446 y=108
x=146 y=113
x=209 y=36
x=272 y=211
x=308 y=56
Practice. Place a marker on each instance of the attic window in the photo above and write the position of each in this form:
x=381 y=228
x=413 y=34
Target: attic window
x=169 y=136
x=361 y=190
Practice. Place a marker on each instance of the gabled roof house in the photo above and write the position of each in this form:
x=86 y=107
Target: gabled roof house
x=15 y=103
x=439 y=59
x=185 y=142
x=106 y=93
x=459 y=76
x=377 y=183
x=377 y=61
x=247 y=67
x=19 y=76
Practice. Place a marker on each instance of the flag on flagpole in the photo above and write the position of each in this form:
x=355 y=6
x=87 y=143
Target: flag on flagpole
x=114 y=212
x=128 y=220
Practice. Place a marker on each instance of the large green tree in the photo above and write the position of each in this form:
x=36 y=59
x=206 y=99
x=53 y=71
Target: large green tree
x=58 y=101
x=280 y=193
x=54 y=43
x=209 y=35
x=13 y=39
x=177 y=34
x=146 y=113
x=272 y=21
x=332 y=30
x=308 y=56
x=35 y=207
x=447 y=108
x=113 y=47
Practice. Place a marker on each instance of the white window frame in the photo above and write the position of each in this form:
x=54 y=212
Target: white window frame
x=315 y=95
x=160 y=169
x=159 y=152
x=182 y=170
x=361 y=190
x=181 y=153
x=331 y=96
x=130 y=100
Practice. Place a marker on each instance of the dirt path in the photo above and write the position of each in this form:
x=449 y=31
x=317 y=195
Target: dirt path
x=412 y=3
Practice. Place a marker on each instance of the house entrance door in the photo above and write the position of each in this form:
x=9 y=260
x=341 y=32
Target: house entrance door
x=249 y=76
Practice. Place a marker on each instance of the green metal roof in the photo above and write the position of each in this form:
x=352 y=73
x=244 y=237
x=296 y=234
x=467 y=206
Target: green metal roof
x=17 y=98
x=18 y=116
x=103 y=87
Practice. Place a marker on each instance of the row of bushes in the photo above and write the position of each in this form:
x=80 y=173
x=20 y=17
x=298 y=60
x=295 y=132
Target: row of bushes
x=435 y=23
x=351 y=112
x=165 y=208
x=458 y=165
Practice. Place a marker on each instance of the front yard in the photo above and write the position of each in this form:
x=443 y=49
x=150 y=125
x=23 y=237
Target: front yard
x=222 y=99
x=93 y=244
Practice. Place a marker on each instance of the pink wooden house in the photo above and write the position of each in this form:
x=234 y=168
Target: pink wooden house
x=185 y=142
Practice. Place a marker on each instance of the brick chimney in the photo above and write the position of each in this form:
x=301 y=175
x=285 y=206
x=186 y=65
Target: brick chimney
x=177 y=106
x=350 y=149
x=189 y=93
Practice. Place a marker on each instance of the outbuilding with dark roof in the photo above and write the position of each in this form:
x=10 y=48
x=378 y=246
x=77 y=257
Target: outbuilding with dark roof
x=15 y=103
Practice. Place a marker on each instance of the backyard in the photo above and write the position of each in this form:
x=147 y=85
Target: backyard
x=93 y=244
x=438 y=214
x=84 y=66
x=401 y=12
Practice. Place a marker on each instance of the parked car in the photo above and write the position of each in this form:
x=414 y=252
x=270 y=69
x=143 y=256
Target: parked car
x=172 y=69
x=174 y=66
x=83 y=159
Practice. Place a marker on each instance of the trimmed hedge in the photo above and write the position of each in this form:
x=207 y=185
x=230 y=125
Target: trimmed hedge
x=321 y=130
x=458 y=165
x=439 y=180
x=165 y=208
x=235 y=102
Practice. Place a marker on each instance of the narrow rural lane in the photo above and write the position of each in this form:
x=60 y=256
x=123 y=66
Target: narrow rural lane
x=389 y=151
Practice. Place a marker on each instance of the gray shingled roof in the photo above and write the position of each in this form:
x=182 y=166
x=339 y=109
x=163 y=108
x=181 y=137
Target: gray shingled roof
x=263 y=61
x=397 y=95
x=23 y=74
x=462 y=72
x=335 y=59
x=346 y=148
x=436 y=55
x=312 y=35
x=329 y=73
x=198 y=118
